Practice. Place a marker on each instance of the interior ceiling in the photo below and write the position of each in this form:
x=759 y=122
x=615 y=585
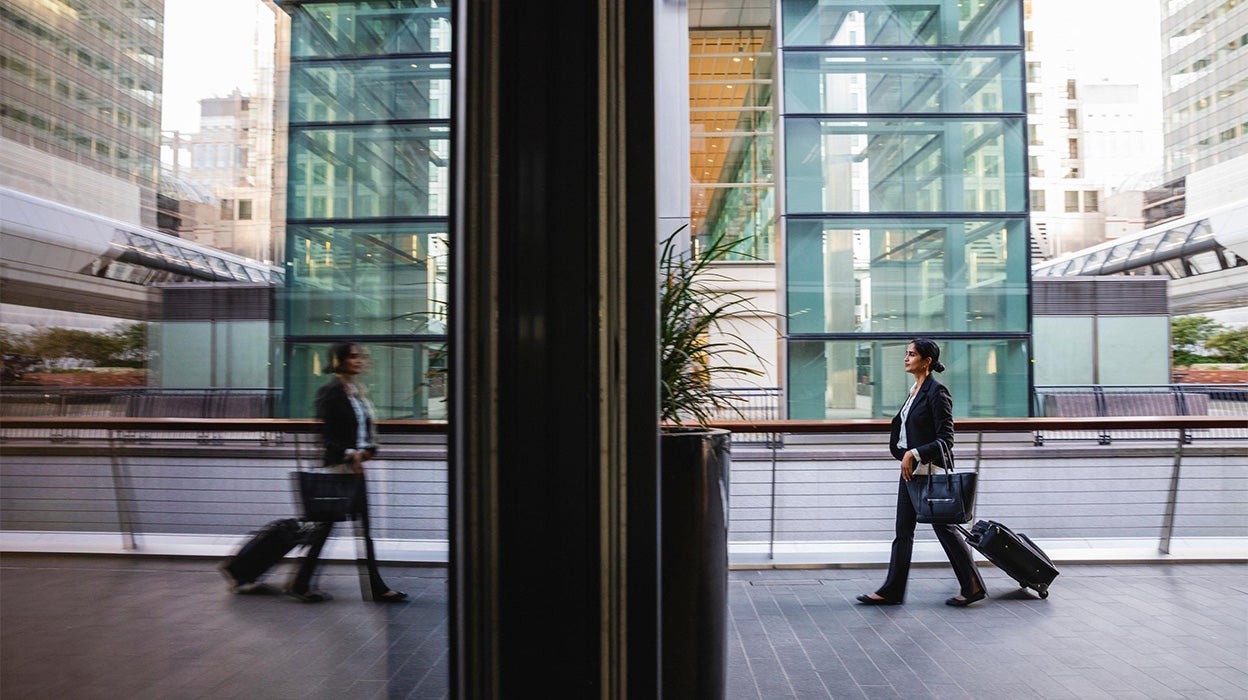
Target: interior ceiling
x=731 y=14
x=722 y=36
x=724 y=66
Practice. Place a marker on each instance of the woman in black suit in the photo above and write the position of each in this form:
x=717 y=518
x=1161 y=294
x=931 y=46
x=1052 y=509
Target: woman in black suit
x=347 y=431
x=924 y=421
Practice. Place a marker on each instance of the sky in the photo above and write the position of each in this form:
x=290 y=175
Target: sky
x=1116 y=40
x=208 y=53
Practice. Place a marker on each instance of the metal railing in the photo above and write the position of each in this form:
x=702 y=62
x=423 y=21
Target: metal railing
x=761 y=403
x=825 y=494
x=1093 y=400
x=144 y=402
x=834 y=485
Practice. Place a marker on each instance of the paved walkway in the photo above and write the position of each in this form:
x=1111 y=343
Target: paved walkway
x=115 y=627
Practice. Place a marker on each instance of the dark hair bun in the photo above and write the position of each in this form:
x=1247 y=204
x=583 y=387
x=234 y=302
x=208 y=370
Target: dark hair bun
x=938 y=366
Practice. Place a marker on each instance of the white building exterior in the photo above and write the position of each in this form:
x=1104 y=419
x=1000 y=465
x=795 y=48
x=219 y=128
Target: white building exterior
x=1090 y=131
x=1205 y=73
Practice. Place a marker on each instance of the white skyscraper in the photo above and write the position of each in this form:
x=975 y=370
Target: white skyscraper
x=1205 y=74
x=1092 y=128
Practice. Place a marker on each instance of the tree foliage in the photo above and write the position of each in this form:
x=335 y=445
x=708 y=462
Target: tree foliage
x=125 y=345
x=1188 y=333
x=1231 y=345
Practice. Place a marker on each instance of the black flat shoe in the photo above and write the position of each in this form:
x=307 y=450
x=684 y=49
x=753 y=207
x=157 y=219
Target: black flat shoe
x=866 y=599
x=310 y=596
x=390 y=597
x=958 y=602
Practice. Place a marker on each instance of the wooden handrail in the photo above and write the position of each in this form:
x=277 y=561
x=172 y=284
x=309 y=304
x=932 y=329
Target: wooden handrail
x=288 y=425
x=991 y=425
x=427 y=427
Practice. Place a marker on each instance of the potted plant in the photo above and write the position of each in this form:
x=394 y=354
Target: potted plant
x=695 y=349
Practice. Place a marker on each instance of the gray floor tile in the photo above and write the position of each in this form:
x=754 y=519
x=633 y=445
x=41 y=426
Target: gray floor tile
x=136 y=628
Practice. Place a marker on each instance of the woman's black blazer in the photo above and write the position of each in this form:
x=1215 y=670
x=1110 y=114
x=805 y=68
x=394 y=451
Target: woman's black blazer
x=339 y=427
x=930 y=417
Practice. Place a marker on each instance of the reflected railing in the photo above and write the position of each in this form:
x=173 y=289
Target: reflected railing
x=142 y=401
x=822 y=495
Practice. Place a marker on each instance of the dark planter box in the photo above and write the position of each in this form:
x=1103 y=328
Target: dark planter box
x=695 y=563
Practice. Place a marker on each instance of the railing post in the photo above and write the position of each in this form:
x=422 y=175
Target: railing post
x=771 y=537
x=125 y=520
x=1167 y=523
x=1102 y=410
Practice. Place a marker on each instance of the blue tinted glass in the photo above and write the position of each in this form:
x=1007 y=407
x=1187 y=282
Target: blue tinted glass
x=837 y=380
x=361 y=279
x=901 y=23
x=369 y=171
x=907 y=276
x=930 y=164
x=359 y=91
x=326 y=29
x=404 y=379
x=883 y=82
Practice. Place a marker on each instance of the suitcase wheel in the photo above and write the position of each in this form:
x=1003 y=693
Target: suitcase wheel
x=1043 y=591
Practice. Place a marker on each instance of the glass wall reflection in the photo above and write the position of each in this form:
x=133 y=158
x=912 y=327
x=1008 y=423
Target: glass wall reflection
x=905 y=201
x=368 y=197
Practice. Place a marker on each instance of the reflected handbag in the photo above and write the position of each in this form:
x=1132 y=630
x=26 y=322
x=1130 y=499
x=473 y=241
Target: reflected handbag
x=329 y=496
x=944 y=498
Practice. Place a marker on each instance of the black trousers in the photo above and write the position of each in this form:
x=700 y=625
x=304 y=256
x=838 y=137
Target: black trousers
x=950 y=537
x=371 y=583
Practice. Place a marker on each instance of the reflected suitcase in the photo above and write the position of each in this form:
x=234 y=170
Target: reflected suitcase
x=1014 y=554
x=267 y=547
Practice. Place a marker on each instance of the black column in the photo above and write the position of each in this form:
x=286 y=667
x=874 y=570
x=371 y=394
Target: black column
x=553 y=383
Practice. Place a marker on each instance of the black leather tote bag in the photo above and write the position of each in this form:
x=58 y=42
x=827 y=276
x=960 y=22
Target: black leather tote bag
x=945 y=498
x=329 y=496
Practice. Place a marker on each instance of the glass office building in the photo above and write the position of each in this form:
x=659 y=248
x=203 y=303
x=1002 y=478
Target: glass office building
x=904 y=202
x=368 y=194
x=80 y=94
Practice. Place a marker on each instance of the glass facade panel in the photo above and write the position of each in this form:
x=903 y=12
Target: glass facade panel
x=329 y=29
x=732 y=139
x=1120 y=357
x=405 y=379
x=1064 y=350
x=369 y=279
x=740 y=212
x=906 y=276
x=902 y=23
x=905 y=165
x=346 y=92
x=902 y=82
x=905 y=201
x=845 y=379
x=367 y=198
x=370 y=171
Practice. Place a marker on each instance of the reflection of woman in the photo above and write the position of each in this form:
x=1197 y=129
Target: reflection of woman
x=924 y=421
x=346 y=417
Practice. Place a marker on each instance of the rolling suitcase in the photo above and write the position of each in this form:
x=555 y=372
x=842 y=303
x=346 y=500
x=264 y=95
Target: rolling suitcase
x=1014 y=554
x=258 y=554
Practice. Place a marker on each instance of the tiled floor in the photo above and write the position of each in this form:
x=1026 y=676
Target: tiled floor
x=165 y=629
x=82 y=627
x=1153 y=631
